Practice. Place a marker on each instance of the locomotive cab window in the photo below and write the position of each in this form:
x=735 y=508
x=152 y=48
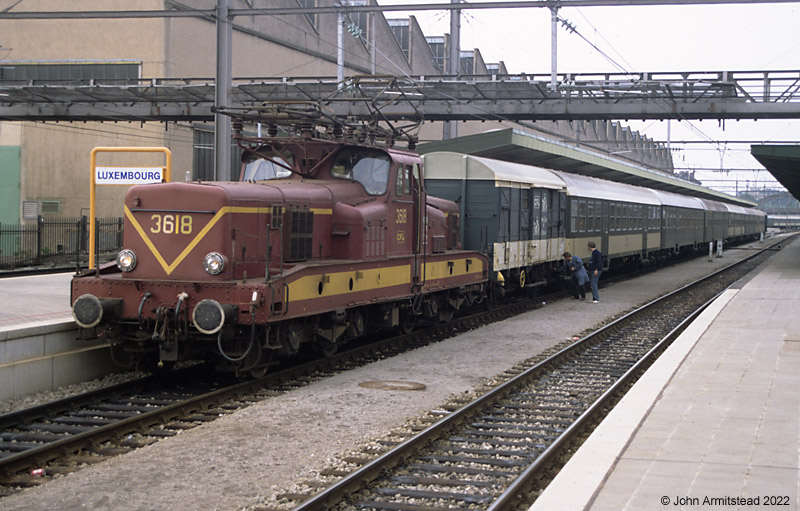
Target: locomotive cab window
x=403 y=183
x=370 y=167
x=260 y=169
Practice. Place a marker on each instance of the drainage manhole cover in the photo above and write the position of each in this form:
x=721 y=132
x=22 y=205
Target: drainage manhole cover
x=392 y=385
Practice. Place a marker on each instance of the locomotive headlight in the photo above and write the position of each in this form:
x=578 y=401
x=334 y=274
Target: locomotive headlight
x=214 y=263
x=126 y=260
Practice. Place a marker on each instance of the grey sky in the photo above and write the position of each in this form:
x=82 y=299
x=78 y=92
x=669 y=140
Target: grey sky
x=754 y=37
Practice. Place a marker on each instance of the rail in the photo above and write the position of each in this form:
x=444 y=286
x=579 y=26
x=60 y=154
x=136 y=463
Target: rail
x=552 y=394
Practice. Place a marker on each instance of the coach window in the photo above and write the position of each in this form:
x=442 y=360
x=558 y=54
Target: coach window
x=626 y=217
x=614 y=209
x=582 y=216
x=641 y=222
x=590 y=216
x=573 y=213
x=612 y=213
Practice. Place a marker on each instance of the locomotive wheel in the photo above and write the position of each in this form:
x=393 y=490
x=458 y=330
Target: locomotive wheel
x=407 y=321
x=258 y=373
x=326 y=349
x=522 y=278
x=358 y=324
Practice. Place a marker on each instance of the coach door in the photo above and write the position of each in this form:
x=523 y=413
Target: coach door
x=554 y=209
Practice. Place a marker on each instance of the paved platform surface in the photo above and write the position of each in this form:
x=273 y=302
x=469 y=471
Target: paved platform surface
x=715 y=423
x=33 y=299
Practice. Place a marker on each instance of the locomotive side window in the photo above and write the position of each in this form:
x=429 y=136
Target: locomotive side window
x=260 y=169
x=403 y=184
x=369 y=167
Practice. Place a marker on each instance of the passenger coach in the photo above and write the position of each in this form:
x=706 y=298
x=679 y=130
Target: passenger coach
x=525 y=217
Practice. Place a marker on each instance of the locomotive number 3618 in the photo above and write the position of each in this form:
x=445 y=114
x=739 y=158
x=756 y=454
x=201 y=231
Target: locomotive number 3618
x=171 y=224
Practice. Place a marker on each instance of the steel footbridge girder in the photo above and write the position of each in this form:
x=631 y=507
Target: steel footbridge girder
x=708 y=95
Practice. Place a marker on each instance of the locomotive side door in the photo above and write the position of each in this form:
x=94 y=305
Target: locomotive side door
x=418 y=220
x=401 y=232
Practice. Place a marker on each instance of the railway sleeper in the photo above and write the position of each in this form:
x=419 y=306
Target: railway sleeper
x=506 y=443
x=441 y=481
x=494 y=462
x=447 y=469
x=55 y=428
x=487 y=452
x=31 y=437
x=430 y=494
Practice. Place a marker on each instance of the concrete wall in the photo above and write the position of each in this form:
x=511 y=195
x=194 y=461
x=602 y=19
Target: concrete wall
x=48 y=356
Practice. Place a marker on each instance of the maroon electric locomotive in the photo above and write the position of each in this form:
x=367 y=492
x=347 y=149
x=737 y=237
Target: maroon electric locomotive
x=321 y=241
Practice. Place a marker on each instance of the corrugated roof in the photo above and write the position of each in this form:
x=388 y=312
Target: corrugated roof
x=783 y=162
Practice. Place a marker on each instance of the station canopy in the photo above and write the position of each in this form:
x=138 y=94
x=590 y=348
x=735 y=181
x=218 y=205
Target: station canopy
x=783 y=162
x=531 y=149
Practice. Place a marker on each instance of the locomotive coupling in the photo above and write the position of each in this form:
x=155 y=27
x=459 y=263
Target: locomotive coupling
x=89 y=310
x=209 y=315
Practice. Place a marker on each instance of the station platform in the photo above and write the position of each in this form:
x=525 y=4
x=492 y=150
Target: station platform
x=715 y=422
x=40 y=348
x=33 y=299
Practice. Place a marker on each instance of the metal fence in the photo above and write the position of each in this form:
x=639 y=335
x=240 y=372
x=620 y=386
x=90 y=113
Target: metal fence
x=57 y=240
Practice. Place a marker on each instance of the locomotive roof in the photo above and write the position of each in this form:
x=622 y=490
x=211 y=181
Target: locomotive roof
x=595 y=188
x=448 y=165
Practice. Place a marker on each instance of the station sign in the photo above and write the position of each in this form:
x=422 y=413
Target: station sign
x=128 y=175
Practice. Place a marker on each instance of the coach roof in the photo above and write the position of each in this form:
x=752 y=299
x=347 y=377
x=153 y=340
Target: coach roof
x=447 y=165
x=595 y=188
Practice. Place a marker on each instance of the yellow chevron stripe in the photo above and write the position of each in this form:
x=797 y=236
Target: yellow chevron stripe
x=169 y=268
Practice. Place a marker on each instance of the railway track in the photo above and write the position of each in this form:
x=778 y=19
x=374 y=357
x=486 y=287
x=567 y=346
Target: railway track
x=487 y=453
x=57 y=437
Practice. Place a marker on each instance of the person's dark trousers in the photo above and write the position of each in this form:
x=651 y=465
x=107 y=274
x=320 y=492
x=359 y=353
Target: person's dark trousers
x=593 y=284
x=575 y=289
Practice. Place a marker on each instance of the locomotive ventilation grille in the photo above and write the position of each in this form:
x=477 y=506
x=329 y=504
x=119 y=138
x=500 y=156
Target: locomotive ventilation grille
x=301 y=230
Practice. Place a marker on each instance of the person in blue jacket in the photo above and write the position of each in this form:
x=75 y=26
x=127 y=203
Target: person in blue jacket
x=578 y=275
x=595 y=269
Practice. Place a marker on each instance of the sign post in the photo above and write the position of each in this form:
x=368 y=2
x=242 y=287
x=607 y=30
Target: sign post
x=122 y=176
